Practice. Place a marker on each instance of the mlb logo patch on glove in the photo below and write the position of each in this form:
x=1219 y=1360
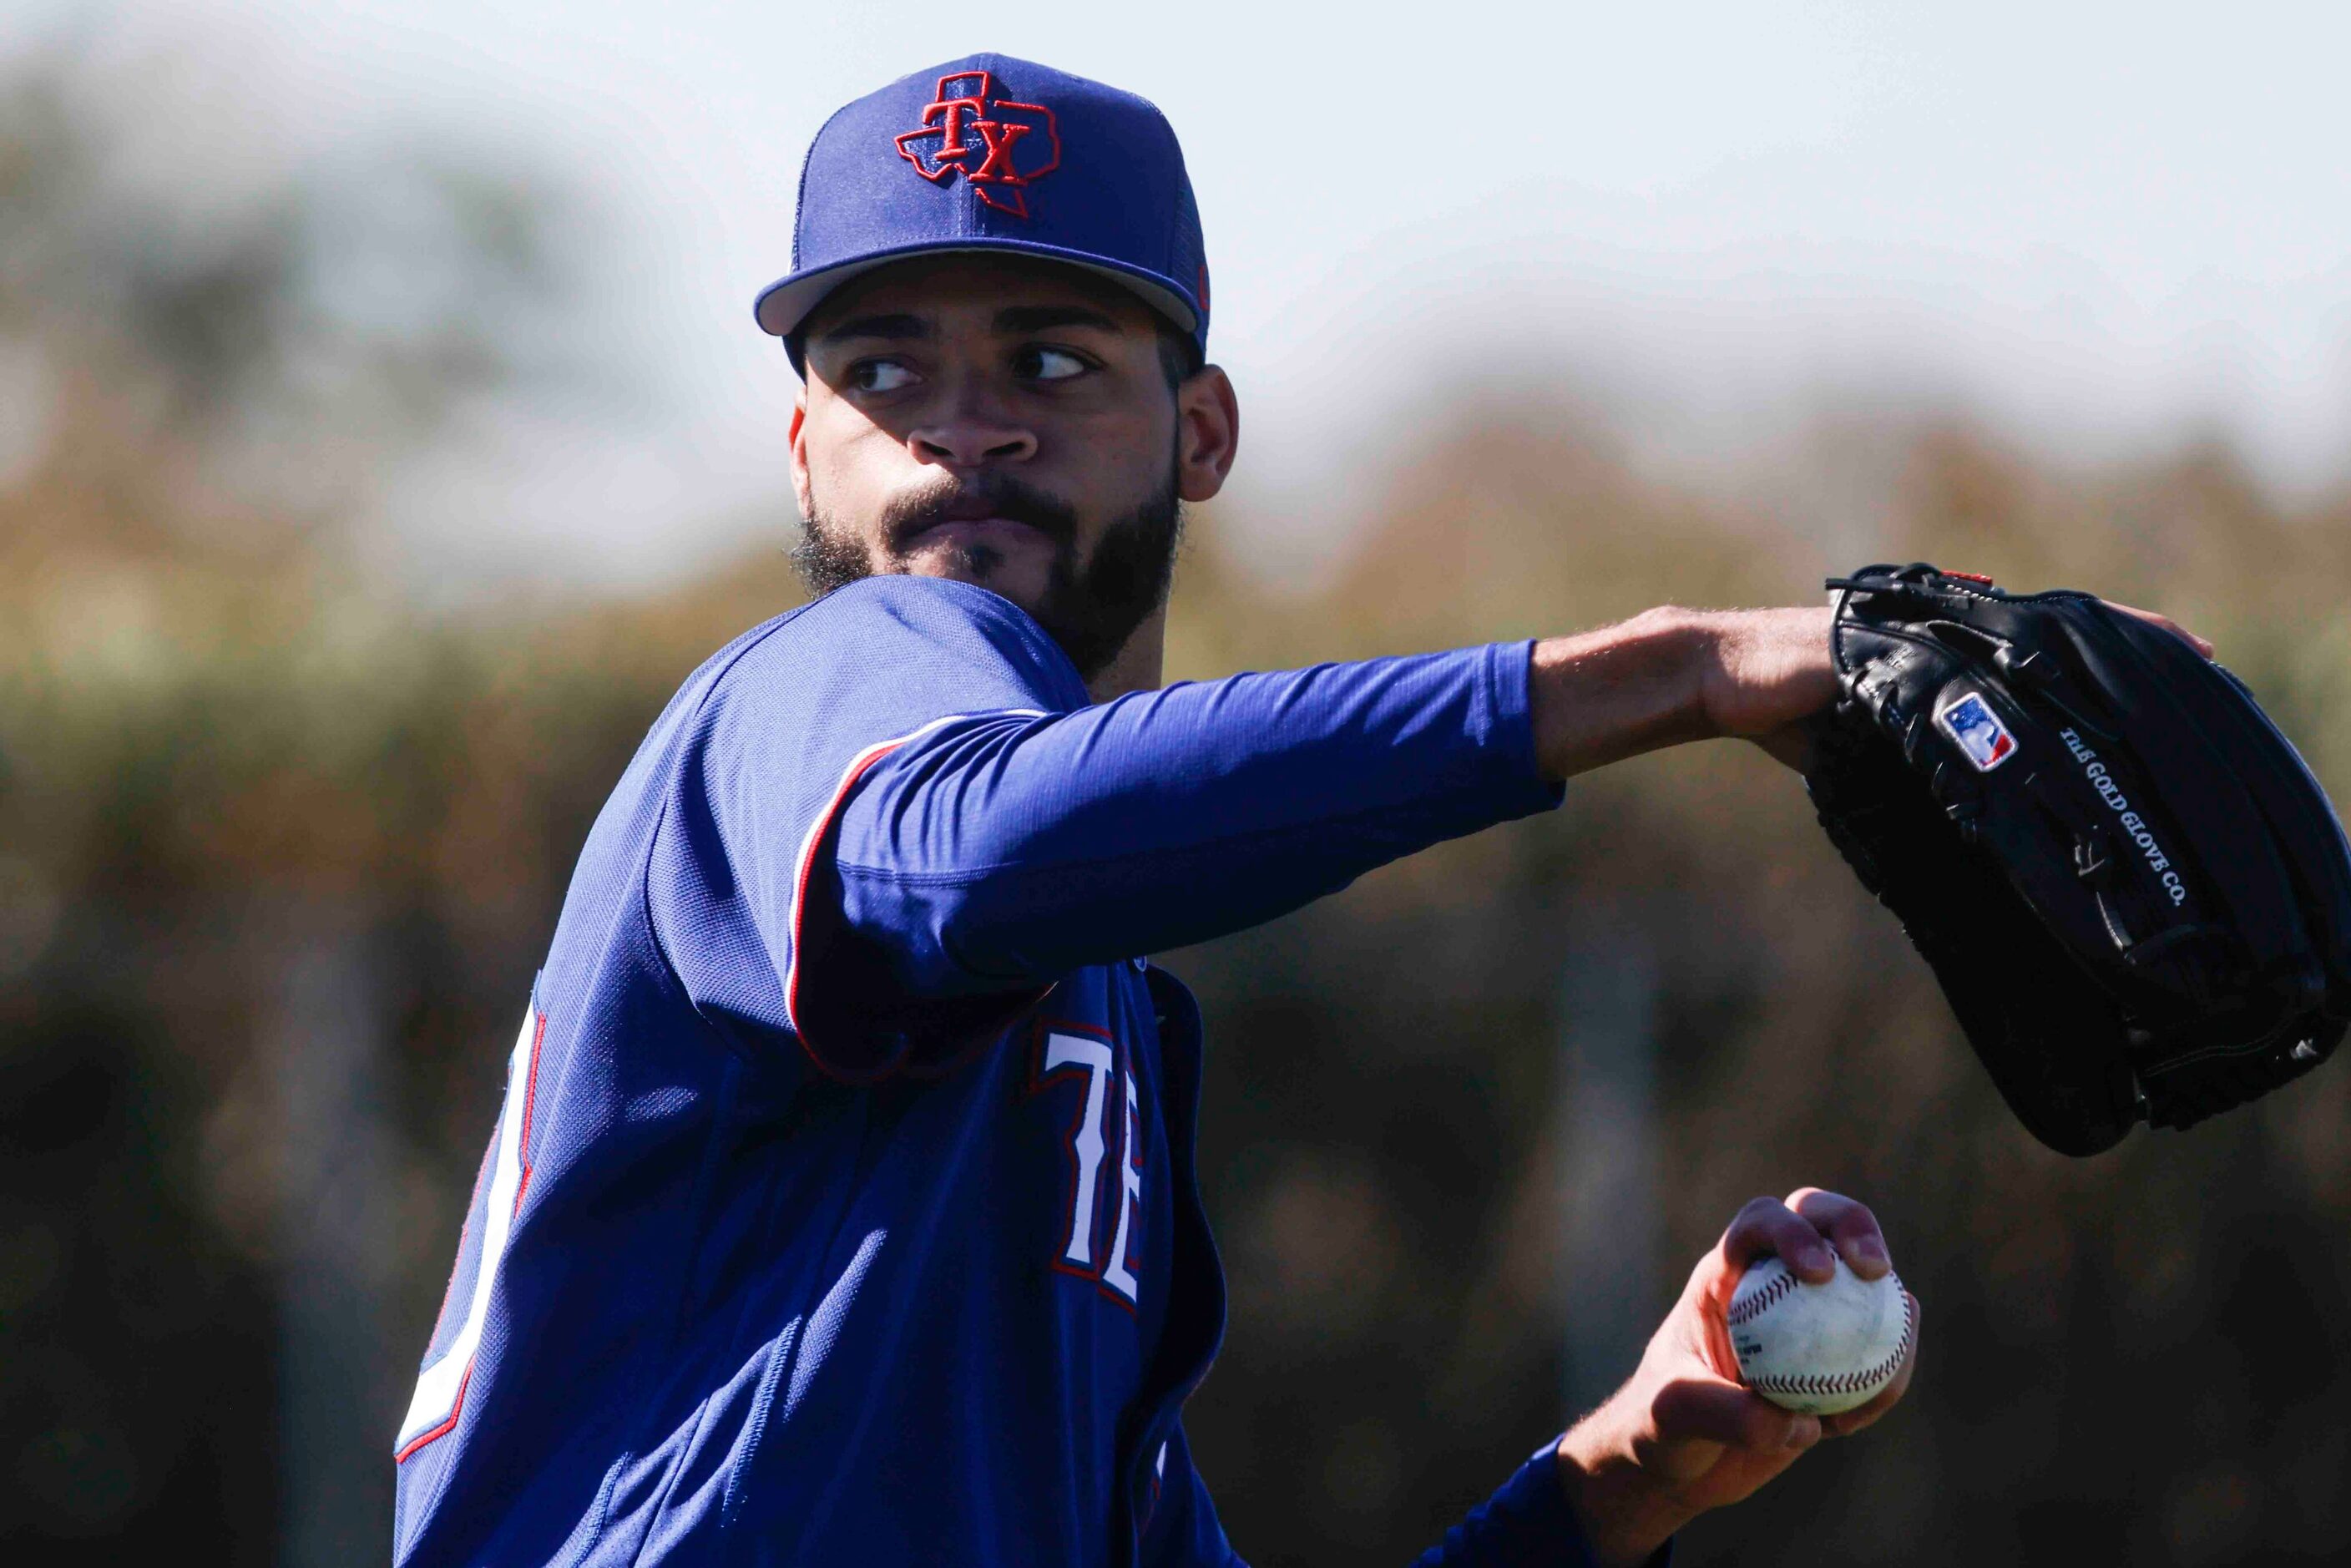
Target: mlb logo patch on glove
x=1976 y=731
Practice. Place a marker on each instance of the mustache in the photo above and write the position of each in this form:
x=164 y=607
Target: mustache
x=983 y=495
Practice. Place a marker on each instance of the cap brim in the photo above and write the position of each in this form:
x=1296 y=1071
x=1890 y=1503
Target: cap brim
x=789 y=301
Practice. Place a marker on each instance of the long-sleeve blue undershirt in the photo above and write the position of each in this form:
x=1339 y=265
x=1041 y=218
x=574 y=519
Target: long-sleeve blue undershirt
x=999 y=851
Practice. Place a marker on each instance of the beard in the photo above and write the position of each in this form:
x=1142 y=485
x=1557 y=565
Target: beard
x=1090 y=608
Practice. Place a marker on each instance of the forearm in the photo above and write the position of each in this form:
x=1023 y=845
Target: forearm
x=1673 y=675
x=1640 y=685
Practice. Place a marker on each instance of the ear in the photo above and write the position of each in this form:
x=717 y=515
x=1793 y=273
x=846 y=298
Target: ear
x=1207 y=433
x=800 y=452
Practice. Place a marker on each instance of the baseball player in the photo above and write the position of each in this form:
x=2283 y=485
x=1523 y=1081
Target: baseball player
x=843 y=1208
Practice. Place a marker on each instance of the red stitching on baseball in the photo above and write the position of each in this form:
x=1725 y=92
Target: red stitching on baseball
x=1746 y=1311
x=1849 y=1381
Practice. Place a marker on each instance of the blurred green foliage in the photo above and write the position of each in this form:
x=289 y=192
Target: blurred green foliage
x=223 y=748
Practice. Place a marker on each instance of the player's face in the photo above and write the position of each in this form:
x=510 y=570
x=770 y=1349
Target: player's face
x=1006 y=423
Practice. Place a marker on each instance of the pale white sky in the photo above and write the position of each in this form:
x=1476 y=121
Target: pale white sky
x=2097 y=224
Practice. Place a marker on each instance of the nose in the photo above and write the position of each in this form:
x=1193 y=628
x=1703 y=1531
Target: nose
x=971 y=430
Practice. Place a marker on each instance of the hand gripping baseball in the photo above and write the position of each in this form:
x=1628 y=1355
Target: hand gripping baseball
x=1683 y=1436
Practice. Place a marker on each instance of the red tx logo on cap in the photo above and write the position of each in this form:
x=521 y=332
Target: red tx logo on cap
x=1001 y=146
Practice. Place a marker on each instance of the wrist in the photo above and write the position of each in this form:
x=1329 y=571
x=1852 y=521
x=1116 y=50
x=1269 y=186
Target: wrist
x=1626 y=1513
x=1639 y=686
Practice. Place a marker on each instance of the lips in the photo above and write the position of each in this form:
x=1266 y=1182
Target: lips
x=967 y=530
x=992 y=509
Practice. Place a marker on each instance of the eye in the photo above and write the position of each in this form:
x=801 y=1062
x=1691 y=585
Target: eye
x=879 y=375
x=1037 y=363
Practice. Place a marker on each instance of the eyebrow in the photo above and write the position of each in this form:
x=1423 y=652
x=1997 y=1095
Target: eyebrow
x=1018 y=319
x=895 y=324
x=904 y=326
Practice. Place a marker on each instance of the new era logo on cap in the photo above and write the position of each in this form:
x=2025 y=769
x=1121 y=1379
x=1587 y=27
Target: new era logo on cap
x=993 y=153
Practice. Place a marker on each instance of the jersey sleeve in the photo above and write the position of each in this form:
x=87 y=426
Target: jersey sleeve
x=1527 y=1524
x=928 y=826
x=996 y=855
x=785 y=727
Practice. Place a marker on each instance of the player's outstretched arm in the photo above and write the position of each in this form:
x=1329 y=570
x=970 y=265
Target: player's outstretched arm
x=1003 y=850
x=1000 y=849
x=1683 y=1436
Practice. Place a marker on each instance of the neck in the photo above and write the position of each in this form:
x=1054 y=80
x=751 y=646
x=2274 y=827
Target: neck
x=1139 y=663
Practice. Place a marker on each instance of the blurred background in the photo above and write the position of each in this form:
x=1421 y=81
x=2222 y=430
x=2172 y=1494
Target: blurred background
x=384 y=436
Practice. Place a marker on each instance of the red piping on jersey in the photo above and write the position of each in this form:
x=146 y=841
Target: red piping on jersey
x=456 y=1408
x=522 y=1158
x=482 y=1179
x=530 y=1100
x=818 y=832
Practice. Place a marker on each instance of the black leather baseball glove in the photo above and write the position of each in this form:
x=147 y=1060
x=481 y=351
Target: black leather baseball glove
x=2135 y=894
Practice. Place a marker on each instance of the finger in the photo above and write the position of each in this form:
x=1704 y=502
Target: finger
x=2166 y=623
x=1707 y=1410
x=1851 y=1228
x=1767 y=1228
x=1888 y=1397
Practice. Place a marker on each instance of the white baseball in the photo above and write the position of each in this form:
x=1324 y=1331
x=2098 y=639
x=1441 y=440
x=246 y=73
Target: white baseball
x=1819 y=1349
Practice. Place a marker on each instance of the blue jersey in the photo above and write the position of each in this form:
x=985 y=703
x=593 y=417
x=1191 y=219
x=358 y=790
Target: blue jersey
x=842 y=1205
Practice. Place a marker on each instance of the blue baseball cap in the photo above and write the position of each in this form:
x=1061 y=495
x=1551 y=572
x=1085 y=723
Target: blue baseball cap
x=990 y=153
